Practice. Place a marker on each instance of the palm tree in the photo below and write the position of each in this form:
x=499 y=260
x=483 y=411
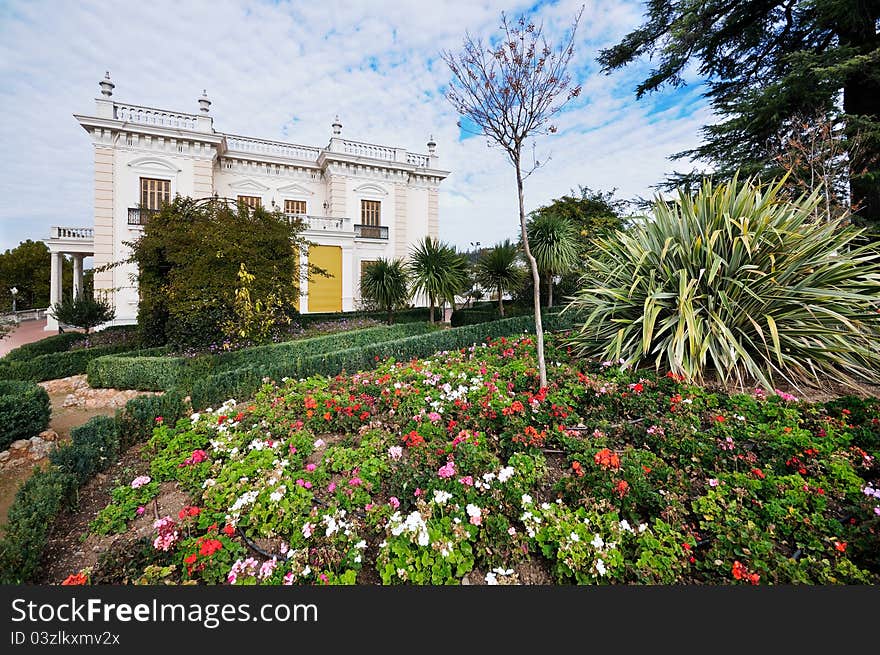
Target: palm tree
x=553 y=240
x=384 y=283
x=498 y=268
x=438 y=271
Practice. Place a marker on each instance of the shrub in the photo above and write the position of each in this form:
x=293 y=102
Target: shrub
x=129 y=371
x=54 y=344
x=56 y=365
x=85 y=312
x=136 y=420
x=24 y=411
x=93 y=447
x=739 y=281
x=29 y=522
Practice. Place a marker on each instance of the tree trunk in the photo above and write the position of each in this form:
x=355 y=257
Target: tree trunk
x=861 y=97
x=549 y=290
x=390 y=316
x=431 y=303
x=536 y=278
x=500 y=302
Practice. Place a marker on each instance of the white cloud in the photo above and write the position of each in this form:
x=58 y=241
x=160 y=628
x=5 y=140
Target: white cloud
x=283 y=70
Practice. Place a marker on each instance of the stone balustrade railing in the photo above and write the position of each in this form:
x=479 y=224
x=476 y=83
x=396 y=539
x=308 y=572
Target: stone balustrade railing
x=76 y=233
x=368 y=150
x=149 y=116
x=271 y=148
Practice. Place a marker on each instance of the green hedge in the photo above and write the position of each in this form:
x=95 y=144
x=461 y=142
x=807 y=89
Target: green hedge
x=54 y=344
x=243 y=382
x=24 y=411
x=135 y=372
x=135 y=422
x=127 y=371
x=56 y=365
x=30 y=520
x=93 y=447
x=415 y=315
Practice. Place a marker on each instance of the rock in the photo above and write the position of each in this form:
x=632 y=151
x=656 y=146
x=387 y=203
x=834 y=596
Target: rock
x=18 y=444
x=4 y=455
x=70 y=401
x=49 y=435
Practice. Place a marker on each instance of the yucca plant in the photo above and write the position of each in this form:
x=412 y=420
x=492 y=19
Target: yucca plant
x=735 y=281
x=385 y=284
x=438 y=271
x=498 y=268
x=554 y=243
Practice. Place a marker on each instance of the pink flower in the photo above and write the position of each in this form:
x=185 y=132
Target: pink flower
x=787 y=397
x=368 y=507
x=300 y=482
x=323 y=577
x=140 y=481
x=331 y=487
x=468 y=480
x=320 y=443
x=434 y=417
x=418 y=492
x=394 y=502
x=141 y=510
x=511 y=531
x=307 y=530
x=288 y=579
x=267 y=568
x=713 y=482
x=197 y=457
x=310 y=467
x=308 y=485
x=355 y=482
x=395 y=452
x=447 y=470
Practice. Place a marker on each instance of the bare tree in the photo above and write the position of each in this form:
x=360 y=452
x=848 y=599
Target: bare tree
x=511 y=90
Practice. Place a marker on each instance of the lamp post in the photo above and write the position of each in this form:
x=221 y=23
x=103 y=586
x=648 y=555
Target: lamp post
x=14 y=292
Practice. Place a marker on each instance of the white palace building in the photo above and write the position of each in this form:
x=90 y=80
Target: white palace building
x=360 y=201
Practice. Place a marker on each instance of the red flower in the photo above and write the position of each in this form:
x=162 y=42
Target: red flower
x=607 y=459
x=228 y=530
x=159 y=419
x=75 y=579
x=413 y=439
x=759 y=473
x=720 y=419
x=310 y=402
x=190 y=559
x=621 y=488
x=840 y=546
x=326 y=416
x=577 y=468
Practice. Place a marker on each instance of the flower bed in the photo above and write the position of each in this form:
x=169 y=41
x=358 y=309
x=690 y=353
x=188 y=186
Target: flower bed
x=430 y=471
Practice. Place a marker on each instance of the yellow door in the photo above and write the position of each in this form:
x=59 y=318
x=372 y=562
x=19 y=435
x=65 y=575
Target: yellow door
x=325 y=293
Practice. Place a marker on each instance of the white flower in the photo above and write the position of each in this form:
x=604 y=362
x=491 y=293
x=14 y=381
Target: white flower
x=642 y=527
x=574 y=536
x=506 y=473
x=306 y=571
x=194 y=417
x=277 y=495
x=440 y=496
x=319 y=443
x=472 y=510
x=491 y=579
x=597 y=542
x=624 y=525
x=361 y=544
x=526 y=499
x=307 y=530
x=545 y=506
x=600 y=567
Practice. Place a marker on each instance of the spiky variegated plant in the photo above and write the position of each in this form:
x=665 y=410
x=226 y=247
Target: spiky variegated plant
x=739 y=282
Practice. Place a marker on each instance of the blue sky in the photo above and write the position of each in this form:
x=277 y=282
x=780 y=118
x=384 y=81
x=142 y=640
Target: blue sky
x=283 y=70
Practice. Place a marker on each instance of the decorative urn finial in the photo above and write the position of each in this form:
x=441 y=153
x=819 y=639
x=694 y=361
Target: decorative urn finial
x=106 y=85
x=432 y=147
x=204 y=102
x=337 y=126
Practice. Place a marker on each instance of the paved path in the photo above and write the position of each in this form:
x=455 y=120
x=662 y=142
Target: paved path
x=26 y=332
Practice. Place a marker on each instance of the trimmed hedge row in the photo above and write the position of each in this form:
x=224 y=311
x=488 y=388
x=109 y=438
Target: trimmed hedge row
x=54 y=344
x=415 y=315
x=128 y=371
x=245 y=381
x=94 y=447
x=56 y=365
x=24 y=411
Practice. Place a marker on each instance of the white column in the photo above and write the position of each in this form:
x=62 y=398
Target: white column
x=77 y=276
x=54 y=290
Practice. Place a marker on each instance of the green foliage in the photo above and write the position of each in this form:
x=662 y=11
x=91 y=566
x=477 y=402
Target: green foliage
x=26 y=267
x=24 y=411
x=85 y=312
x=255 y=319
x=553 y=243
x=765 y=64
x=53 y=344
x=130 y=371
x=123 y=506
x=498 y=268
x=135 y=422
x=189 y=258
x=437 y=270
x=737 y=281
x=29 y=523
x=57 y=365
x=93 y=448
x=384 y=284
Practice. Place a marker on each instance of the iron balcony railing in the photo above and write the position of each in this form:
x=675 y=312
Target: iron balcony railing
x=138 y=216
x=370 y=231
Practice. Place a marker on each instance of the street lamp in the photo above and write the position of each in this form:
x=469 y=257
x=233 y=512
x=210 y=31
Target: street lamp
x=14 y=292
